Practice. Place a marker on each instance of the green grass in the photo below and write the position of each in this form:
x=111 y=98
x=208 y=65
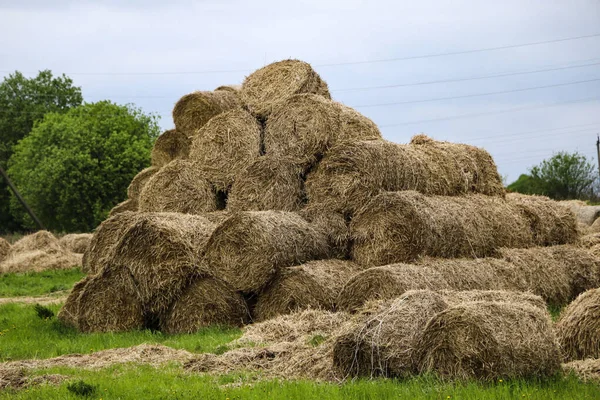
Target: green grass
x=38 y=283
x=24 y=335
x=171 y=382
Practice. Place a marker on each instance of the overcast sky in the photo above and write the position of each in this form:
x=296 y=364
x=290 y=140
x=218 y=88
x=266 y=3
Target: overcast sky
x=150 y=53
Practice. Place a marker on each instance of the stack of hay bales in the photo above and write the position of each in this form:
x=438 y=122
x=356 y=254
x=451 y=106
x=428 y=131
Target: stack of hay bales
x=273 y=198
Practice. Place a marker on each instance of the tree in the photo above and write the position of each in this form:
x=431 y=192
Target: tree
x=23 y=102
x=74 y=167
x=525 y=184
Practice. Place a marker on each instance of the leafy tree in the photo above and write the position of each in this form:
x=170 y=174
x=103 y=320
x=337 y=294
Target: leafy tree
x=23 y=102
x=525 y=184
x=74 y=167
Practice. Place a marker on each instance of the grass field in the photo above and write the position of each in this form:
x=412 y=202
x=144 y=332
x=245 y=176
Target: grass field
x=23 y=335
x=38 y=283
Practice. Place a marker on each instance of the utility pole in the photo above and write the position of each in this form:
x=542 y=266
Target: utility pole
x=598 y=152
x=21 y=199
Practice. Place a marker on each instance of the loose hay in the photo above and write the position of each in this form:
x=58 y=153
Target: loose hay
x=171 y=145
x=40 y=240
x=315 y=284
x=551 y=222
x=226 y=146
x=137 y=184
x=195 y=109
x=124 y=206
x=352 y=173
x=207 y=301
x=401 y=226
x=488 y=341
x=4 y=249
x=180 y=187
x=306 y=126
x=586 y=370
x=589 y=241
x=578 y=328
x=248 y=248
x=275 y=83
x=387 y=282
x=76 y=242
x=269 y=183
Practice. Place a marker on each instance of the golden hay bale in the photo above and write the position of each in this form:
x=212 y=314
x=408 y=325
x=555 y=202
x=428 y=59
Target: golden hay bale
x=69 y=312
x=178 y=187
x=104 y=240
x=586 y=370
x=352 y=173
x=315 y=284
x=456 y=297
x=230 y=88
x=489 y=340
x=4 y=249
x=578 y=328
x=206 y=301
x=306 y=126
x=381 y=341
x=269 y=183
x=40 y=260
x=76 y=242
x=551 y=222
x=387 y=282
x=195 y=109
x=128 y=205
x=248 y=248
x=401 y=226
x=275 y=83
x=162 y=251
x=109 y=303
x=171 y=145
x=226 y=146
x=137 y=184
x=40 y=240
x=335 y=227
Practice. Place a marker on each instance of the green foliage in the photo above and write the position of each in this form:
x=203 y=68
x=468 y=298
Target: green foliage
x=74 y=167
x=525 y=184
x=23 y=102
x=80 y=388
x=43 y=312
x=38 y=283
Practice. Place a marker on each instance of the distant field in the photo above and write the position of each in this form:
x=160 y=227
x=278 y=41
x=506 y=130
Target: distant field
x=38 y=283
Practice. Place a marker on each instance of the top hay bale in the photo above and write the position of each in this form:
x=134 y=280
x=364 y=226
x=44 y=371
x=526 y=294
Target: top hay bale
x=351 y=173
x=169 y=146
x=195 y=109
x=265 y=88
x=578 y=328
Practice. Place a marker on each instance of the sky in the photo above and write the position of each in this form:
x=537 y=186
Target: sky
x=388 y=59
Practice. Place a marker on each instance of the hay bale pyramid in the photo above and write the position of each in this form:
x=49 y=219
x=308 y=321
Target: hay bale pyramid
x=271 y=198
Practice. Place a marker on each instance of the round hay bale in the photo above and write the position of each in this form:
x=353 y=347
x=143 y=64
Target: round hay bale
x=585 y=214
x=40 y=240
x=4 y=249
x=381 y=342
x=138 y=182
x=108 y=303
x=205 y=302
x=171 y=145
x=595 y=227
x=275 y=83
x=76 y=242
x=551 y=222
x=590 y=240
x=195 y=109
x=402 y=226
x=162 y=251
x=178 y=187
x=306 y=126
x=269 y=183
x=387 y=282
x=315 y=284
x=124 y=206
x=104 y=240
x=488 y=341
x=578 y=328
x=248 y=248
x=230 y=88
x=586 y=370
x=335 y=227
x=226 y=146
x=351 y=174
x=456 y=297
x=69 y=312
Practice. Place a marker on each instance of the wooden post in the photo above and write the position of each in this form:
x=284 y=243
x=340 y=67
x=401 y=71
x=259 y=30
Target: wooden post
x=21 y=199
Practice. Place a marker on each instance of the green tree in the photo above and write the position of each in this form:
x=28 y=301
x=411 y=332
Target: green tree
x=74 y=167
x=23 y=102
x=525 y=184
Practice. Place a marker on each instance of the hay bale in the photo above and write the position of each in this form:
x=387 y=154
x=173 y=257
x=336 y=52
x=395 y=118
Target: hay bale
x=230 y=88
x=206 y=301
x=40 y=260
x=595 y=227
x=40 y=240
x=335 y=227
x=104 y=240
x=137 y=184
x=387 y=282
x=226 y=146
x=586 y=370
x=578 y=328
x=551 y=222
x=382 y=340
x=124 y=206
x=108 y=303
x=585 y=214
x=401 y=226
x=305 y=126
x=315 y=284
x=180 y=187
x=352 y=173
x=69 y=312
x=275 y=83
x=248 y=248
x=456 y=297
x=76 y=242
x=195 y=109
x=269 y=183
x=4 y=249
x=162 y=252
x=590 y=240
x=171 y=145
x=489 y=340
